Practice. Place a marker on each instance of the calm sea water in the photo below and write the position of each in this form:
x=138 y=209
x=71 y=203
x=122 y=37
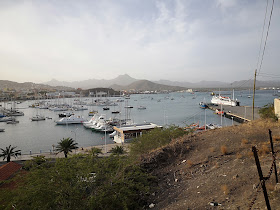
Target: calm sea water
x=174 y=108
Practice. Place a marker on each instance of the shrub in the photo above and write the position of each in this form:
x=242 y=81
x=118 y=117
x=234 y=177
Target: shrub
x=94 y=151
x=118 y=150
x=244 y=142
x=267 y=112
x=225 y=189
x=154 y=139
x=224 y=150
x=189 y=163
x=212 y=149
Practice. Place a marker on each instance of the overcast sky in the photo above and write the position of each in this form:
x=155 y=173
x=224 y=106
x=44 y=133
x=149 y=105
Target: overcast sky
x=188 y=40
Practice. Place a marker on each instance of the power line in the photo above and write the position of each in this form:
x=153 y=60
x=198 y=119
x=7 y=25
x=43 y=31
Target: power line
x=259 y=54
x=266 y=36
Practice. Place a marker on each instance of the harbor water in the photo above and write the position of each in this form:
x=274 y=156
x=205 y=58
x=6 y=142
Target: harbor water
x=163 y=109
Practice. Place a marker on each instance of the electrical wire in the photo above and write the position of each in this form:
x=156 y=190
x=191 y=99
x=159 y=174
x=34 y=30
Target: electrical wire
x=259 y=54
x=268 y=27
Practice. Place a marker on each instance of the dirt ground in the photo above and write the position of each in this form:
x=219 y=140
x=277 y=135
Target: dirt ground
x=215 y=166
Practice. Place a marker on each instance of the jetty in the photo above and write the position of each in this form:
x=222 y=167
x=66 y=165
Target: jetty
x=238 y=113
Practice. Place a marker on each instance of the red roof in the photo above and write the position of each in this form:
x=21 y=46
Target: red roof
x=7 y=170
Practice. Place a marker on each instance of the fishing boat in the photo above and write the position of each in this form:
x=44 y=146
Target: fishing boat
x=70 y=120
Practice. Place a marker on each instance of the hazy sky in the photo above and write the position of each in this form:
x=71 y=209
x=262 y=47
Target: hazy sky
x=188 y=40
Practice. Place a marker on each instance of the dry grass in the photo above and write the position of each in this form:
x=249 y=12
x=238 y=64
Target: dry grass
x=239 y=155
x=189 y=163
x=250 y=154
x=270 y=186
x=224 y=150
x=264 y=150
x=212 y=149
x=276 y=138
x=225 y=189
x=244 y=142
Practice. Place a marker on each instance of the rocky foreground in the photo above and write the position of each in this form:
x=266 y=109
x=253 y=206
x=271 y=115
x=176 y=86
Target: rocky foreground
x=215 y=169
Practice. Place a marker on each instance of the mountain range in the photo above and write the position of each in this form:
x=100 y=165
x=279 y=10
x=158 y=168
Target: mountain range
x=125 y=82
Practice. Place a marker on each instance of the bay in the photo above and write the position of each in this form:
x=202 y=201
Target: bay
x=163 y=109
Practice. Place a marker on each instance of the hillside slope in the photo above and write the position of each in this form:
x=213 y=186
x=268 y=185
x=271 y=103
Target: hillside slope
x=193 y=171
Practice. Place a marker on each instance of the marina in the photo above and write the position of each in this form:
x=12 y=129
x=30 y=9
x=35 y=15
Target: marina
x=178 y=108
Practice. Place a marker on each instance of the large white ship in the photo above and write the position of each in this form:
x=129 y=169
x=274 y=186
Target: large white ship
x=224 y=101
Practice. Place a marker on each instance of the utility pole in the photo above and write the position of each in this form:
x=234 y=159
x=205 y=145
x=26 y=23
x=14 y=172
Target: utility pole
x=254 y=95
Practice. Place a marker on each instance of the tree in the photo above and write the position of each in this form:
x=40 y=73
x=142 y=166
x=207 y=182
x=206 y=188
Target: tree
x=66 y=146
x=118 y=150
x=9 y=152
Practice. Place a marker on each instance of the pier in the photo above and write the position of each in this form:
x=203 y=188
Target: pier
x=237 y=113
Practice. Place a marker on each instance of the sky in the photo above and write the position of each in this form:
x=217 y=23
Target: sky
x=178 y=40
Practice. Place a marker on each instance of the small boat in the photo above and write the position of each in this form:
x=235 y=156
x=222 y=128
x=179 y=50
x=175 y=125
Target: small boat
x=2 y=129
x=115 y=112
x=91 y=122
x=38 y=118
x=92 y=113
x=203 y=105
x=6 y=119
x=12 y=122
x=141 y=107
x=65 y=114
x=128 y=107
x=106 y=108
x=70 y=120
x=219 y=112
x=111 y=135
x=213 y=126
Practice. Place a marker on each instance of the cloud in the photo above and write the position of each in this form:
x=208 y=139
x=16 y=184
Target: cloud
x=178 y=40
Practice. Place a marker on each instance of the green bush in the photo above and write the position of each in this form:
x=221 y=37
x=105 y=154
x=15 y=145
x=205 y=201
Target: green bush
x=118 y=150
x=267 y=112
x=73 y=183
x=154 y=139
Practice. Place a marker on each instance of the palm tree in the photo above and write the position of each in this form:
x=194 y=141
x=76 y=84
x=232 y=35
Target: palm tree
x=8 y=152
x=66 y=146
x=118 y=150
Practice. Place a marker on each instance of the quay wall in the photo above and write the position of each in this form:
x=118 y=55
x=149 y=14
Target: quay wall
x=277 y=107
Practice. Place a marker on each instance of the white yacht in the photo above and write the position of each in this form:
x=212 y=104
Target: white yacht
x=38 y=118
x=70 y=120
x=91 y=122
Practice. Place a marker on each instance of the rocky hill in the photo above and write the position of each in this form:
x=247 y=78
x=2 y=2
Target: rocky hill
x=143 y=85
x=94 y=83
x=6 y=84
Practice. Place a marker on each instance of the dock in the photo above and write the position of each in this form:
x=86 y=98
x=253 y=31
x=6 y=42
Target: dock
x=238 y=113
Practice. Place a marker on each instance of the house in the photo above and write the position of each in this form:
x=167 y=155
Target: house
x=8 y=170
